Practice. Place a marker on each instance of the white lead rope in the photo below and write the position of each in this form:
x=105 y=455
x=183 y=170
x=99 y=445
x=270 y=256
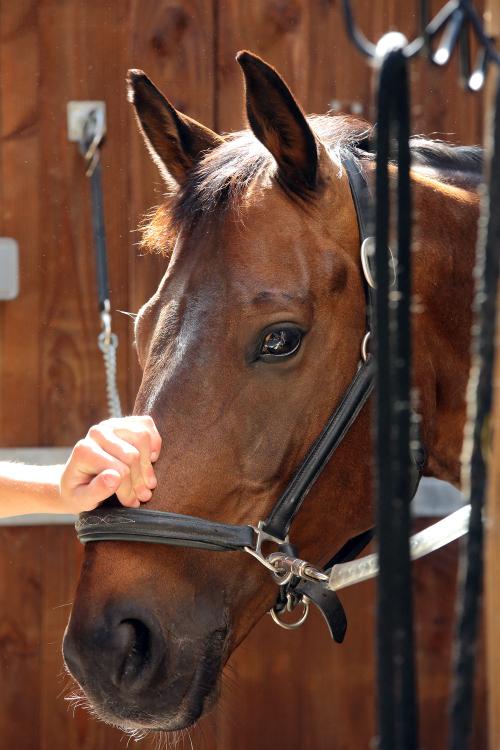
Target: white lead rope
x=108 y=344
x=423 y=543
x=108 y=347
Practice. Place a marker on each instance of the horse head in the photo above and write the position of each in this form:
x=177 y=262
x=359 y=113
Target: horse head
x=248 y=343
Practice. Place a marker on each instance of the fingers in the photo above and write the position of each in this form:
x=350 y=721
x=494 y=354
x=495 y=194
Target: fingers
x=88 y=459
x=126 y=452
x=98 y=489
x=134 y=441
x=90 y=476
x=115 y=457
x=140 y=426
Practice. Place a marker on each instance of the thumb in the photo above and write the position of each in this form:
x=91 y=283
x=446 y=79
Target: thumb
x=100 y=488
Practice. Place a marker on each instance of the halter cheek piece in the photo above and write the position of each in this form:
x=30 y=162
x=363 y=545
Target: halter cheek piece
x=298 y=581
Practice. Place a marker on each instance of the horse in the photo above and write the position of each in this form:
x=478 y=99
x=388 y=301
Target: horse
x=249 y=341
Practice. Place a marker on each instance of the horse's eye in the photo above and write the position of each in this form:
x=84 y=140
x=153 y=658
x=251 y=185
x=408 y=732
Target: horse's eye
x=280 y=343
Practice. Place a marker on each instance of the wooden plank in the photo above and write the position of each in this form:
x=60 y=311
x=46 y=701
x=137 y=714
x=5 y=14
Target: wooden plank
x=19 y=215
x=173 y=43
x=80 y=41
x=440 y=106
x=308 y=44
x=72 y=377
x=294 y=37
x=20 y=636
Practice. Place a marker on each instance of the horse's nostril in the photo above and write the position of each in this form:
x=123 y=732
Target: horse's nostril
x=133 y=649
x=118 y=650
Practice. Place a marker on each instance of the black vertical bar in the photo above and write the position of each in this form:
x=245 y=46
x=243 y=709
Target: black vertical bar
x=395 y=661
x=479 y=402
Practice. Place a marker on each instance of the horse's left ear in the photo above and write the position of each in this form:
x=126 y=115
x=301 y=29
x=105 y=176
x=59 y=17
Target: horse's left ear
x=175 y=140
x=280 y=124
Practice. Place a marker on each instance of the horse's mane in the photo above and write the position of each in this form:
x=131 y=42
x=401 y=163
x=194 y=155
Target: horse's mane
x=225 y=174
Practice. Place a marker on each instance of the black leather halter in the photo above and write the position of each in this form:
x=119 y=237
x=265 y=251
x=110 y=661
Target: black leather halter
x=141 y=525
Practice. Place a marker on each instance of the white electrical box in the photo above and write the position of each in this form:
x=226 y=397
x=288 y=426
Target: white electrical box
x=9 y=268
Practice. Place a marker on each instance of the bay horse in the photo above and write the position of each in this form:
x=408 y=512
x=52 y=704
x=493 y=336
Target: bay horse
x=248 y=343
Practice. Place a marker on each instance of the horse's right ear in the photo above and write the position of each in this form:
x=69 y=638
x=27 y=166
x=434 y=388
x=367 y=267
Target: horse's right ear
x=174 y=140
x=280 y=125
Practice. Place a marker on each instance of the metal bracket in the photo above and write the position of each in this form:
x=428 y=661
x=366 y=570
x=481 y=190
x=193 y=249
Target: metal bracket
x=261 y=537
x=78 y=113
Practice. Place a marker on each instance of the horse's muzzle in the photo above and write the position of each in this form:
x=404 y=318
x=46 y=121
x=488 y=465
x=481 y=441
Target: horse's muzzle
x=135 y=675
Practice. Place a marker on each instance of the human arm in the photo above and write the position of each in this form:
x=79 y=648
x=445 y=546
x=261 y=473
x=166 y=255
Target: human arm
x=116 y=456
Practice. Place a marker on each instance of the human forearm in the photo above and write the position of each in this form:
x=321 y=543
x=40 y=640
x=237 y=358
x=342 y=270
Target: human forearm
x=115 y=457
x=29 y=489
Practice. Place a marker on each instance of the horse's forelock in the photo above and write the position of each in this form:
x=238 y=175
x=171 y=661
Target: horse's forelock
x=224 y=175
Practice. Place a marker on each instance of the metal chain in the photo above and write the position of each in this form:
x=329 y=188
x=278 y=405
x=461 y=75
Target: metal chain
x=108 y=346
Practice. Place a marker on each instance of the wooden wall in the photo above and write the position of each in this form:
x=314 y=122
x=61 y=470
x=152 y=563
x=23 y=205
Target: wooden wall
x=282 y=690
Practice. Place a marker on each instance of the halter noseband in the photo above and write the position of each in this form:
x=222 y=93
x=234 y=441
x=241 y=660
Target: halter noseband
x=300 y=583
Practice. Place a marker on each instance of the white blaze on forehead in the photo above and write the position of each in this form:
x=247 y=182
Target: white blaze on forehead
x=176 y=340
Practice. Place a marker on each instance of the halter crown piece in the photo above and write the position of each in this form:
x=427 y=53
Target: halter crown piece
x=299 y=582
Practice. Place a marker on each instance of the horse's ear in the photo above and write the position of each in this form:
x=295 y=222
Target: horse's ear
x=279 y=123
x=174 y=140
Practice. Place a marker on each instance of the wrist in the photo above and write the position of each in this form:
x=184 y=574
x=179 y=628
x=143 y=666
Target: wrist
x=28 y=489
x=47 y=498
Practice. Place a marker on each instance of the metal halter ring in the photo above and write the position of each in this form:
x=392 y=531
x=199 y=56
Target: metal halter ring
x=364 y=346
x=367 y=252
x=292 y=625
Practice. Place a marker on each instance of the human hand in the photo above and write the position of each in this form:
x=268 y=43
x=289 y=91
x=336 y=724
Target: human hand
x=115 y=457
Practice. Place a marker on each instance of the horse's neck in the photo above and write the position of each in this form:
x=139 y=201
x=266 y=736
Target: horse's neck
x=445 y=238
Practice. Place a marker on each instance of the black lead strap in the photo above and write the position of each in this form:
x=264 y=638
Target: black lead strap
x=96 y=196
x=392 y=345
x=93 y=134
